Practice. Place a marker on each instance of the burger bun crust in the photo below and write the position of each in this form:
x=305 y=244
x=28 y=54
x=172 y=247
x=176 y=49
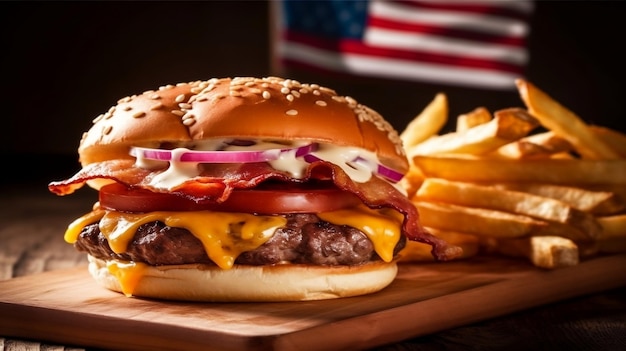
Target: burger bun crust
x=245 y=108
x=276 y=283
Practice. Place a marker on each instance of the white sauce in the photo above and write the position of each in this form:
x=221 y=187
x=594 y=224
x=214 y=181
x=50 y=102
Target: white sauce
x=345 y=158
x=177 y=173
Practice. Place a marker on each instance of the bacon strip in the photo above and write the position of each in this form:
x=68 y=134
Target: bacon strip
x=216 y=182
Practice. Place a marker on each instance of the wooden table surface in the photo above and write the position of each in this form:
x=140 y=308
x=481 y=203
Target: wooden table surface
x=32 y=222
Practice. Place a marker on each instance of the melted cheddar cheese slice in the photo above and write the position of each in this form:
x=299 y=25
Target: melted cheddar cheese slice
x=382 y=227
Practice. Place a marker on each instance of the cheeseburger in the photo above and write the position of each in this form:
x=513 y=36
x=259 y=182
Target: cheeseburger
x=244 y=189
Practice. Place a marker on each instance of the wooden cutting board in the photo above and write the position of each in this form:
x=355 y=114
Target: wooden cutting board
x=66 y=306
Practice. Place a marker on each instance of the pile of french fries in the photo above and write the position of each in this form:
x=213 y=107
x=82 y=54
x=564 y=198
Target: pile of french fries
x=536 y=183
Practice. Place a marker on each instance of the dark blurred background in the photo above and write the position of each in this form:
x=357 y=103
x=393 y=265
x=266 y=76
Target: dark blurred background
x=63 y=63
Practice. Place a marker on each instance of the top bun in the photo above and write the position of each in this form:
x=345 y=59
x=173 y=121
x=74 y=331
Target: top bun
x=244 y=108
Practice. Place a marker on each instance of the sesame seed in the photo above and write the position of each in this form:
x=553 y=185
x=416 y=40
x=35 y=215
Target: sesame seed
x=189 y=121
x=156 y=107
x=289 y=97
x=125 y=99
x=295 y=93
x=321 y=103
x=99 y=118
x=235 y=93
x=266 y=95
x=139 y=114
x=285 y=90
x=292 y=112
x=317 y=92
x=107 y=130
x=180 y=98
x=184 y=106
x=178 y=113
x=155 y=96
x=127 y=108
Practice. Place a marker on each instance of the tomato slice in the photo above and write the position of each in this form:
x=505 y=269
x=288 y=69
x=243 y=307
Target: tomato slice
x=261 y=200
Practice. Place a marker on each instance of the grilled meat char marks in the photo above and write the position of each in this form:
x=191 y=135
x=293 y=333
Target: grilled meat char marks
x=305 y=239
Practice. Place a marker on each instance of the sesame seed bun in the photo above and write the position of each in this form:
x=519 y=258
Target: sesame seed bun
x=272 y=108
x=270 y=283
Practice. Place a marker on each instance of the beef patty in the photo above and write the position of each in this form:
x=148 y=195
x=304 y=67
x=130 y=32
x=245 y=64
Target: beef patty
x=305 y=239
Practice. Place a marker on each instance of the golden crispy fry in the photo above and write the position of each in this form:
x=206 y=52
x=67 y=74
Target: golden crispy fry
x=473 y=195
x=473 y=118
x=594 y=202
x=564 y=123
x=412 y=180
x=612 y=227
x=416 y=251
x=565 y=172
x=506 y=126
x=541 y=145
x=551 y=197
x=490 y=223
x=547 y=252
x=562 y=156
x=615 y=139
x=428 y=123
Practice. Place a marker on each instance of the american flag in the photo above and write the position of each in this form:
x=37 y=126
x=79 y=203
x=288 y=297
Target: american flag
x=451 y=42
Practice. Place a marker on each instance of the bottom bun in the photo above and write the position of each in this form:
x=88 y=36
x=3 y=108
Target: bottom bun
x=196 y=282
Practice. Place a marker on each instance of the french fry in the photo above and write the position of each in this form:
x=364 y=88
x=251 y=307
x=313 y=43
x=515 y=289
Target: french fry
x=541 y=145
x=618 y=189
x=563 y=122
x=594 y=202
x=613 y=138
x=479 y=115
x=553 y=197
x=565 y=172
x=612 y=227
x=490 y=223
x=506 y=126
x=428 y=123
x=473 y=195
x=549 y=252
x=412 y=180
